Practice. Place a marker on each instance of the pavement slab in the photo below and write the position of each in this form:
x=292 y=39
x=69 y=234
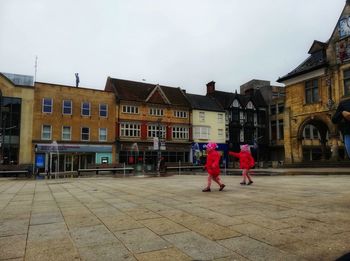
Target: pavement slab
x=301 y=217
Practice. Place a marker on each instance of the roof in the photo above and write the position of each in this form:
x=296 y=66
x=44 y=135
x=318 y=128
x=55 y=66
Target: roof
x=202 y=102
x=225 y=99
x=316 y=60
x=145 y=92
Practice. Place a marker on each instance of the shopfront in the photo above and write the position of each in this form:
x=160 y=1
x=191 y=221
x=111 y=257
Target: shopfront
x=55 y=157
x=199 y=153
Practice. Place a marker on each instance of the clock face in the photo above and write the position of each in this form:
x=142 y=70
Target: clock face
x=344 y=27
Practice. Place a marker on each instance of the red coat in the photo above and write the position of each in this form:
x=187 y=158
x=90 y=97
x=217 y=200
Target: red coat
x=246 y=161
x=212 y=164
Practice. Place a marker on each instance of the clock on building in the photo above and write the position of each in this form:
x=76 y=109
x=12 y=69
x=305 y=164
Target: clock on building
x=344 y=27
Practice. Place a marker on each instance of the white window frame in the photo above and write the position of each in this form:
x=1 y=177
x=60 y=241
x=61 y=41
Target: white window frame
x=180 y=114
x=201 y=116
x=100 y=110
x=82 y=109
x=220 y=117
x=201 y=132
x=180 y=133
x=64 y=133
x=130 y=109
x=45 y=132
x=101 y=136
x=81 y=134
x=70 y=107
x=220 y=133
x=156 y=111
x=153 y=130
x=50 y=106
x=130 y=129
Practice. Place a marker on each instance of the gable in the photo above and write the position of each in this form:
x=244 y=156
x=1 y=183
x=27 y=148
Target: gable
x=250 y=105
x=157 y=96
x=236 y=104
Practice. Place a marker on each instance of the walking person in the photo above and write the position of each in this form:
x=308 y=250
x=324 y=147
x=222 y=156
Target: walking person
x=246 y=162
x=342 y=118
x=212 y=166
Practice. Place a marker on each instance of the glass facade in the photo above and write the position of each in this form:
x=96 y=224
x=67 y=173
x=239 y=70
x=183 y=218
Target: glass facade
x=10 y=119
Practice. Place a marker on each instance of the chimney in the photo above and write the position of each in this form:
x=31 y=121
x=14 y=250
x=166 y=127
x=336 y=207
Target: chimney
x=210 y=87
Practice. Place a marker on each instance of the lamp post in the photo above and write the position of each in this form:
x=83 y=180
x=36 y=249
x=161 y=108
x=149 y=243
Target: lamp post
x=159 y=152
x=1 y=132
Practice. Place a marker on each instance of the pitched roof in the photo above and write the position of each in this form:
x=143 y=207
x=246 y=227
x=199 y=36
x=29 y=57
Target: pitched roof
x=202 y=102
x=316 y=60
x=225 y=99
x=146 y=92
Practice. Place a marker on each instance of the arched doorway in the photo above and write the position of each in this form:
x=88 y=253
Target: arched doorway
x=314 y=134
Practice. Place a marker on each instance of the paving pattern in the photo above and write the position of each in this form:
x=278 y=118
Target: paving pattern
x=169 y=218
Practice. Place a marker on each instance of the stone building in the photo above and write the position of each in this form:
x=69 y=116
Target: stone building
x=313 y=90
x=73 y=127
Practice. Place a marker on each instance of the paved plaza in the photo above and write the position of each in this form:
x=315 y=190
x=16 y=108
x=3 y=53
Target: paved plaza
x=169 y=218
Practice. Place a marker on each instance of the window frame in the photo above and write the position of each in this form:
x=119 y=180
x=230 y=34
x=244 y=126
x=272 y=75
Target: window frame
x=63 y=133
x=83 y=109
x=47 y=106
x=313 y=90
x=101 y=110
x=102 y=135
x=70 y=107
x=43 y=132
x=81 y=134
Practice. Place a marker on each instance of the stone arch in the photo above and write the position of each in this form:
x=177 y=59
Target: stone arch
x=323 y=124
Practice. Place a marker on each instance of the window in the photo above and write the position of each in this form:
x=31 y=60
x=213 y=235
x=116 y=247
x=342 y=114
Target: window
x=202 y=116
x=130 y=109
x=201 y=132
x=46 y=132
x=280 y=130
x=273 y=130
x=156 y=131
x=85 y=109
x=280 y=108
x=235 y=115
x=311 y=91
x=180 y=114
x=220 y=133
x=66 y=133
x=85 y=134
x=156 y=111
x=272 y=109
x=130 y=130
x=103 y=110
x=220 y=117
x=180 y=133
x=47 y=105
x=307 y=132
x=67 y=107
x=102 y=134
x=235 y=135
x=250 y=116
x=346 y=75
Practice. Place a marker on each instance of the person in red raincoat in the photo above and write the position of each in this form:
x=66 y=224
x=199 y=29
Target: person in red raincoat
x=246 y=162
x=212 y=166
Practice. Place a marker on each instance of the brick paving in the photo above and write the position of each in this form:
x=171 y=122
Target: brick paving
x=169 y=218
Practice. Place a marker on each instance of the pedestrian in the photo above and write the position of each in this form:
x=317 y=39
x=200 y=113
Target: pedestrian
x=246 y=162
x=212 y=166
x=342 y=118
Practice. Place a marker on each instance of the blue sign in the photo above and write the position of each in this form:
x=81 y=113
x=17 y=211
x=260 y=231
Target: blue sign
x=40 y=160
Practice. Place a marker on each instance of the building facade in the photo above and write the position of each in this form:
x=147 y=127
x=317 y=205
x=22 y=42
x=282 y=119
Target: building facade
x=313 y=90
x=16 y=118
x=73 y=127
x=208 y=124
x=153 y=123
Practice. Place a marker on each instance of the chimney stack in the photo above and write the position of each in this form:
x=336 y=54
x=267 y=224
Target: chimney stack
x=210 y=87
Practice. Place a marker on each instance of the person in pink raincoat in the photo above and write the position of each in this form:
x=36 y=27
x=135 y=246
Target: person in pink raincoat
x=212 y=166
x=246 y=162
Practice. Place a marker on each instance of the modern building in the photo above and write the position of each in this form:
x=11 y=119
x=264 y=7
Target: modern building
x=73 y=127
x=153 y=123
x=16 y=118
x=313 y=90
x=208 y=124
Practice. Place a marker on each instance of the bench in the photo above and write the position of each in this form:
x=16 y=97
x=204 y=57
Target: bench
x=169 y=166
x=16 y=170
x=114 y=168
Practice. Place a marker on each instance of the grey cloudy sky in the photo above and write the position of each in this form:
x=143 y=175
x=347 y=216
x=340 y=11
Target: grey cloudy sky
x=182 y=43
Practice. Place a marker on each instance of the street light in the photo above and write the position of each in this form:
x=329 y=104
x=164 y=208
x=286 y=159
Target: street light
x=159 y=152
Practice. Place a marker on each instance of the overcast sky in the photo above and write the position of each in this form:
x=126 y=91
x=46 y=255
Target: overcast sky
x=182 y=43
